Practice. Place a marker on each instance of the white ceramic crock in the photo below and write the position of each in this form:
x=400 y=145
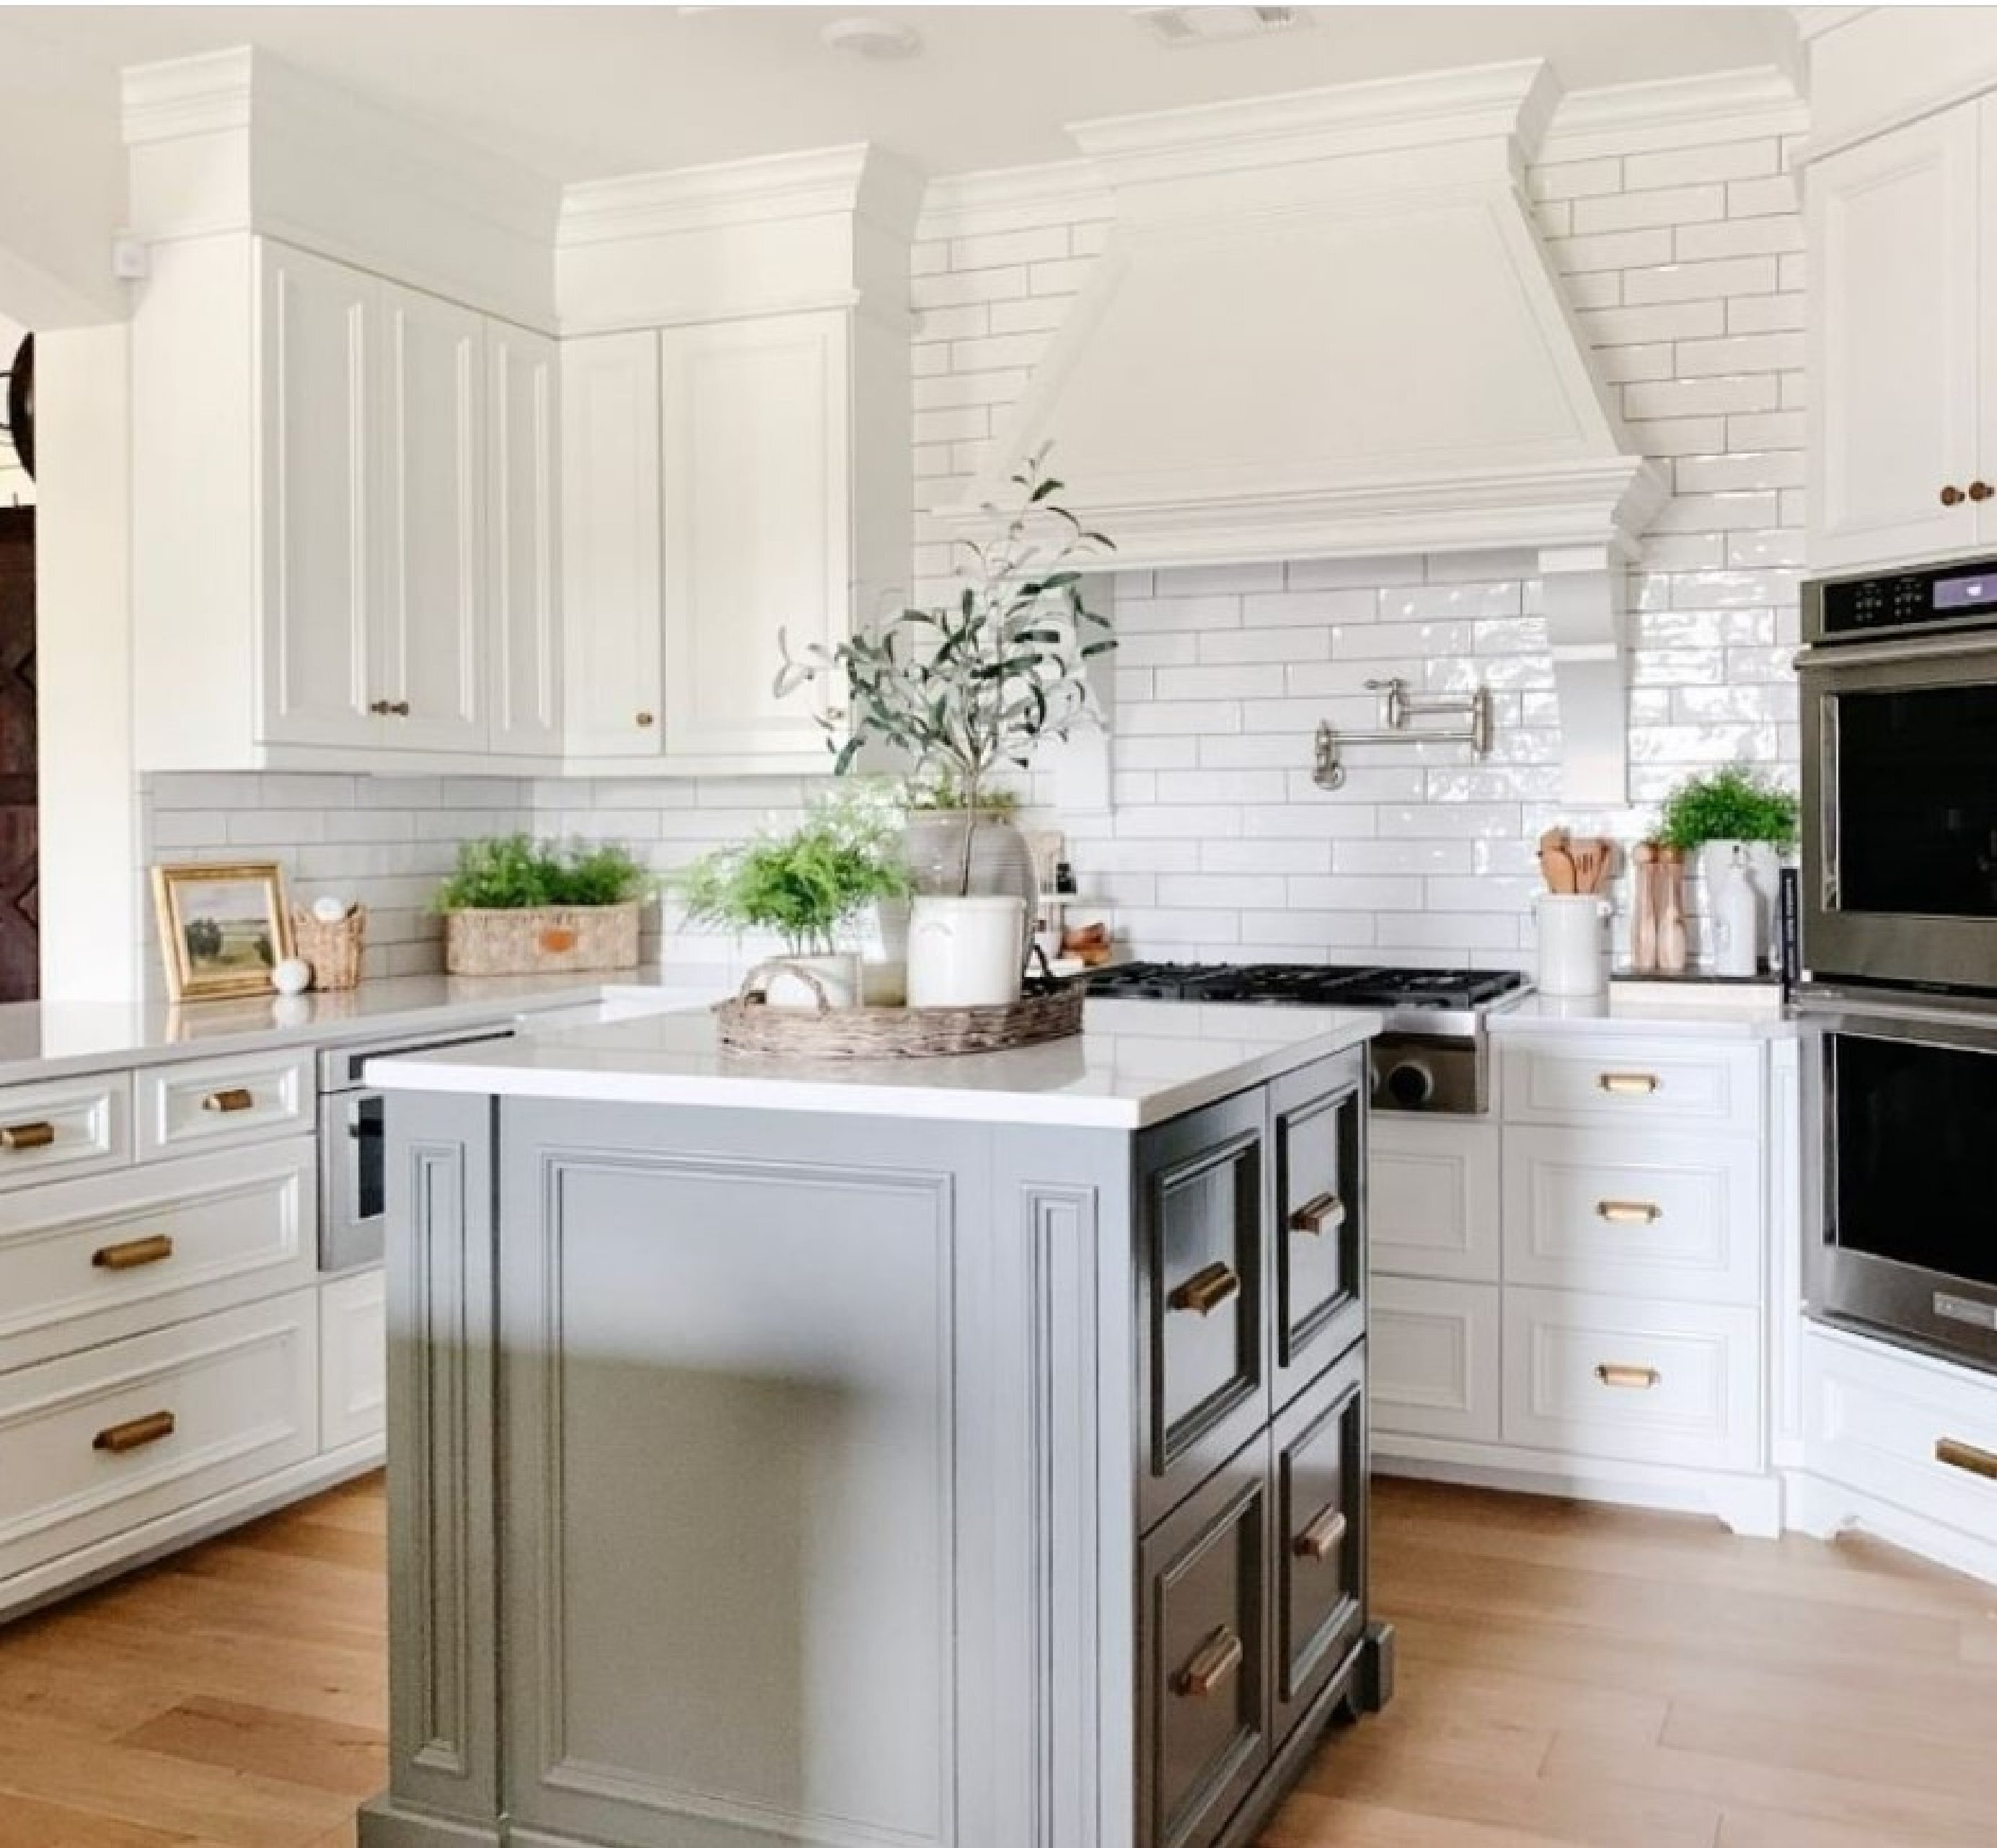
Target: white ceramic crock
x=1574 y=943
x=965 y=952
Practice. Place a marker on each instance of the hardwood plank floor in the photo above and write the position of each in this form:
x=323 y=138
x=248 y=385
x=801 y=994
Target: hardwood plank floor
x=1570 y=1677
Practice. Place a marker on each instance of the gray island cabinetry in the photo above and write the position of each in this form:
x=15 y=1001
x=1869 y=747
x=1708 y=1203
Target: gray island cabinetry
x=971 y=1456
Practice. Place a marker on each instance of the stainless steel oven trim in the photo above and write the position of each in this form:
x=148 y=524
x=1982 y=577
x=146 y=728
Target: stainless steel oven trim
x=1894 y=1301
x=1880 y=946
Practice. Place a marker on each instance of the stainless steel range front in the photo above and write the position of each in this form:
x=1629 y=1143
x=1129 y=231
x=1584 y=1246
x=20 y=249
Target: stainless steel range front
x=1900 y=1102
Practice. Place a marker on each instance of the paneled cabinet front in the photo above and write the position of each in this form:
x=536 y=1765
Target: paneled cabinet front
x=1318 y=1124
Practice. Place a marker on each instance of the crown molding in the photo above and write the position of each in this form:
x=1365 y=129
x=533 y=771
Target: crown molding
x=1513 y=100
x=1813 y=22
x=856 y=179
x=1726 y=105
x=187 y=96
x=1056 y=192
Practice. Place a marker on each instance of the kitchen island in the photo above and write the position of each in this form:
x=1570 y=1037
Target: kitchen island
x=964 y=1451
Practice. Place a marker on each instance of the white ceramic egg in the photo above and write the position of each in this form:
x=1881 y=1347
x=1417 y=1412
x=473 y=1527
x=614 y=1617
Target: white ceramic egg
x=330 y=911
x=293 y=976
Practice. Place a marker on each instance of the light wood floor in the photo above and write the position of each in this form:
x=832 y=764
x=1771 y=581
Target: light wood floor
x=1569 y=1675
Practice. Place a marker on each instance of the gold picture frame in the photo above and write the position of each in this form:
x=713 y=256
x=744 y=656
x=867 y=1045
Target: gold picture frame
x=222 y=928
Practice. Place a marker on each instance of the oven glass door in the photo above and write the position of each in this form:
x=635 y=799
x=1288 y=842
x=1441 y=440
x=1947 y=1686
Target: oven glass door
x=354 y=1148
x=1913 y=1131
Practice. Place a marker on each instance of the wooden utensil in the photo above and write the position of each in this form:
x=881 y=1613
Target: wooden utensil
x=1555 y=864
x=1591 y=863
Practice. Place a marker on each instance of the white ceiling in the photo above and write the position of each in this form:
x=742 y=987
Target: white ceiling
x=584 y=92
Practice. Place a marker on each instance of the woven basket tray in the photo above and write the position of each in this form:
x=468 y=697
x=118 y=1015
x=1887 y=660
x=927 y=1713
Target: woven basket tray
x=748 y=1024
x=550 y=940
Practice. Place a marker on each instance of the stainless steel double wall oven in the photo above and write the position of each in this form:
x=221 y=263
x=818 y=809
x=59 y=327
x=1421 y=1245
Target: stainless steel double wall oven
x=1899 y=939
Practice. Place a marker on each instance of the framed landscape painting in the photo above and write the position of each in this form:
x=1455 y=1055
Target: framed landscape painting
x=222 y=928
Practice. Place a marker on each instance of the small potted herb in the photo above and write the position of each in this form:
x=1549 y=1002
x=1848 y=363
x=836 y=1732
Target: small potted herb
x=804 y=885
x=1734 y=816
x=518 y=906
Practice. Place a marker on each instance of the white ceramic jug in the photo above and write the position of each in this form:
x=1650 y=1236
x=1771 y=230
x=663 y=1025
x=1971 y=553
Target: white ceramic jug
x=1574 y=946
x=965 y=952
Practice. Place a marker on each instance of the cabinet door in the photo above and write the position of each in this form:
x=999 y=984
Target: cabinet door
x=523 y=602
x=316 y=436
x=1318 y=1262
x=610 y=544
x=431 y=523
x=353 y=1360
x=1432 y=1196
x=1894 y=368
x=1318 y=1454
x=756 y=529
x=1202 y=1689
x=1201 y=1192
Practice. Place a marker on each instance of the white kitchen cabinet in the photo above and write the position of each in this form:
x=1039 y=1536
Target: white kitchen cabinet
x=1432 y=1182
x=523 y=551
x=610 y=557
x=725 y=481
x=1435 y=1354
x=756 y=526
x=353 y=1360
x=363 y=571
x=1902 y=339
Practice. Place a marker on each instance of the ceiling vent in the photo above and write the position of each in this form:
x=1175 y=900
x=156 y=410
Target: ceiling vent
x=1177 y=26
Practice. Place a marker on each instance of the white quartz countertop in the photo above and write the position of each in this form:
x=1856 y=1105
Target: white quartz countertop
x=1133 y=1063
x=1743 y=1011
x=41 y=1040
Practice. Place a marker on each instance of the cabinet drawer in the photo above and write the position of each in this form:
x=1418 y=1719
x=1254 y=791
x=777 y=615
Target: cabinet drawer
x=1664 y=1083
x=1318 y=1243
x=1616 y=1376
x=1204 y=1330
x=1318 y=1453
x=212 y=1103
x=66 y=1126
x=1432 y=1196
x=86 y=1261
x=353 y=1360
x=1203 y=1723
x=99 y=1442
x=1433 y=1354
x=1915 y=1431
x=1663 y=1214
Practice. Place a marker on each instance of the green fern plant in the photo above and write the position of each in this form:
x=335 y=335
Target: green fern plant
x=1732 y=804
x=514 y=872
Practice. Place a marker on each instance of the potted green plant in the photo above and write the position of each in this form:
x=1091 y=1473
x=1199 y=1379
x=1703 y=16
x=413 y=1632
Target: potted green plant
x=969 y=690
x=517 y=906
x=804 y=885
x=1734 y=816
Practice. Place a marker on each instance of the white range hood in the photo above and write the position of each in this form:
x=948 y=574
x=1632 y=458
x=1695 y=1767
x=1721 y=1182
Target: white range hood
x=1325 y=326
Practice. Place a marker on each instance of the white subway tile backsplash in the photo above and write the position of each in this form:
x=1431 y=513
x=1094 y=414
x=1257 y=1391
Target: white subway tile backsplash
x=1667 y=206
x=1738 y=237
x=1686 y=166
x=1703 y=281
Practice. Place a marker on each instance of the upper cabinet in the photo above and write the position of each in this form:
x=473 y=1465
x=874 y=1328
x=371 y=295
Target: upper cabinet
x=371 y=579
x=716 y=485
x=1903 y=343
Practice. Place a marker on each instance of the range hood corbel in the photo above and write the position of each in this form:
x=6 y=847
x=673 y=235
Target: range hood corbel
x=1325 y=326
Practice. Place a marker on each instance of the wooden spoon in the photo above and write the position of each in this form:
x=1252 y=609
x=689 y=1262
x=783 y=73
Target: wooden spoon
x=1591 y=862
x=1555 y=865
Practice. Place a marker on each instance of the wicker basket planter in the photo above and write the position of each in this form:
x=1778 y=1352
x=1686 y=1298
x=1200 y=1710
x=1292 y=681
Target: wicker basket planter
x=332 y=948
x=748 y=1024
x=555 y=940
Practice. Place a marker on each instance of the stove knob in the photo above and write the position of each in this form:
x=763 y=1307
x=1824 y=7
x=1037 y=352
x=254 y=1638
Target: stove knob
x=1411 y=1085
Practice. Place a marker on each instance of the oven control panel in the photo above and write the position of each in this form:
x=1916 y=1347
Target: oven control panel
x=1960 y=594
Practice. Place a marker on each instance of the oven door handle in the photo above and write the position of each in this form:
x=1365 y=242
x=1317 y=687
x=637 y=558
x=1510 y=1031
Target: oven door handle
x=1829 y=773
x=1819 y=656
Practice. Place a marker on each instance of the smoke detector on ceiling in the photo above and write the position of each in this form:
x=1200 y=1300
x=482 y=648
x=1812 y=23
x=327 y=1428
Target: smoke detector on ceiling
x=873 y=38
x=1177 y=26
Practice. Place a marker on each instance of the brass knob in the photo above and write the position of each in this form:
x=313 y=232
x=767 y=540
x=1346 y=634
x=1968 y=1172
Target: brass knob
x=134 y=1433
x=1981 y=490
x=1952 y=496
x=398 y=708
x=1320 y=1539
x=379 y=707
x=1206 y=1290
x=130 y=1254
x=1315 y=1215
x=646 y=722
x=1212 y=1662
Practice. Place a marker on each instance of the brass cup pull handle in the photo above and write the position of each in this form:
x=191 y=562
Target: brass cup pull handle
x=1322 y=1538
x=1628 y=1084
x=1629 y=1212
x=1213 y=1662
x=1960 y=1456
x=1326 y=1210
x=1953 y=496
x=15 y=1136
x=134 y=1434
x=133 y=1252
x=1205 y=1291
x=235 y=1098
x=1639 y=1379
x=1981 y=490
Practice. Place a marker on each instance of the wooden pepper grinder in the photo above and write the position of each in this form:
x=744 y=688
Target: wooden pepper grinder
x=1672 y=954
x=1644 y=906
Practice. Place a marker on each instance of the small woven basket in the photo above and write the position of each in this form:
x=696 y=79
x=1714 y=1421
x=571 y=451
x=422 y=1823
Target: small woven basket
x=545 y=940
x=748 y=1024
x=333 y=950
